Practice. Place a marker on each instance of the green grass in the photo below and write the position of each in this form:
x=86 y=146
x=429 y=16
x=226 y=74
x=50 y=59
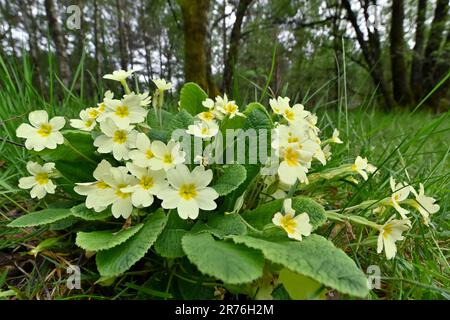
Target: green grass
x=412 y=147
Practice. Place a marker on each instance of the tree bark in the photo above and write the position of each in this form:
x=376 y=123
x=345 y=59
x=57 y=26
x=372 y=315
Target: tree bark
x=402 y=93
x=96 y=43
x=432 y=50
x=417 y=58
x=372 y=55
x=235 y=37
x=58 y=40
x=122 y=40
x=194 y=24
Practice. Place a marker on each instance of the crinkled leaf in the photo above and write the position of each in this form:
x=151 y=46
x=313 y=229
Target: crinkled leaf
x=84 y=213
x=181 y=120
x=191 y=98
x=315 y=257
x=232 y=177
x=263 y=215
x=39 y=218
x=119 y=259
x=103 y=240
x=232 y=263
x=222 y=225
x=168 y=244
x=78 y=147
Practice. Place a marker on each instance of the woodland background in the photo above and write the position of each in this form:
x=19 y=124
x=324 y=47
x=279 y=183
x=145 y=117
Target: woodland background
x=394 y=52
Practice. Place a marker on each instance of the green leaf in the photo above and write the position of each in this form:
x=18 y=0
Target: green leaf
x=75 y=171
x=119 y=259
x=257 y=117
x=314 y=257
x=39 y=218
x=233 y=176
x=263 y=215
x=191 y=98
x=153 y=122
x=181 y=120
x=78 y=147
x=229 y=262
x=168 y=244
x=301 y=287
x=103 y=240
x=222 y=225
x=80 y=211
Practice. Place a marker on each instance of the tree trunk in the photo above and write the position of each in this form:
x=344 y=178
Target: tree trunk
x=122 y=40
x=96 y=43
x=194 y=20
x=371 y=52
x=235 y=37
x=32 y=29
x=402 y=93
x=417 y=59
x=58 y=40
x=432 y=50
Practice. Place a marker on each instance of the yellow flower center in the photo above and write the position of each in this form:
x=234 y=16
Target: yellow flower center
x=149 y=154
x=42 y=178
x=44 y=130
x=291 y=156
x=289 y=114
x=292 y=139
x=121 y=194
x=167 y=158
x=230 y=108
x=387 y=230
x=102 y=107
x=205 y=131
x=120 y=136
x=88 y=123
x=288 y=223
x=188 y=191
x=93 y=113
x=354 y=167
x=147 y=183
x=207 y=115
x=102 y=185
x=122 y=111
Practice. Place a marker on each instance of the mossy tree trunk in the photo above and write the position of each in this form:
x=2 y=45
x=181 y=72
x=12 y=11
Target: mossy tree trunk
x=195 y=17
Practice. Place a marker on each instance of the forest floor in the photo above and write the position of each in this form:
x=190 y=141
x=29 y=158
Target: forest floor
x=413 y=147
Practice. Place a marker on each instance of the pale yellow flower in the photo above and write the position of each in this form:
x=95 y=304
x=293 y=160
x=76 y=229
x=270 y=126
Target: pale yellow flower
x=42 y=133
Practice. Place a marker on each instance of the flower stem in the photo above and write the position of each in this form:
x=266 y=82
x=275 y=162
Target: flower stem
x=356 y=219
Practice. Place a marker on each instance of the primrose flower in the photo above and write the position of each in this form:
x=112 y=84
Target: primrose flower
x=98 y=193
x=166 y=156
x=146 y=99
x=400 y=193
x=424 y=204
x=279 y=105
x=162 y=85
x=40 y=182
x=119 y=181
x=119 y=75
x=363 y=167
x=101 y=107
x=295 y=114
x=150 y=183
x=295 y=226
x=117 y=140
x=335 y=137
x=203 y=129
x=124 y=112
x=391 y=232
x=144 y=153
x=189 y=191
x=42 y=133
x=227 y=107
x=293 y=165
x=87 y=120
